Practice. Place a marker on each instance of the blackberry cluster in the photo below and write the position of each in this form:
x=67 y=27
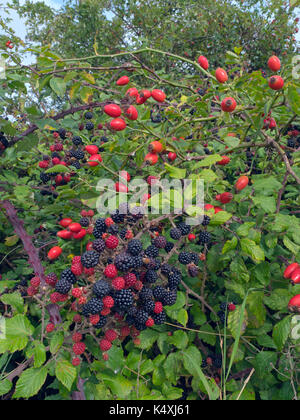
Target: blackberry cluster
x=135 y=247
x=90 y=259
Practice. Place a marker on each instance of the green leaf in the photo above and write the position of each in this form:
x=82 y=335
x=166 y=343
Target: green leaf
x=56 y=341
x=195 y=355
x=281 y=332
x=147 y=337
x=179 y=339
x=182 y=317
x=119 y=385
x=293 y=94
x=291 y=246
x=57 y=168
x=18 y=330
x=268 y=204
x=58 y=86
x=5 y=386
x=230 y=245
x=208 y=161
x=250 y=248
x=220 y=218
x=244 y=229
x=30 y=382
x=208 y=175
x=65 y=373
x=264 y=363
x=39 y=354
x=14 y=299
x=278 y=300
x=175 y=172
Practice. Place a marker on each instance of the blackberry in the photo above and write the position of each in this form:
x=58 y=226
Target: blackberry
x=4 y=141
x=135 y=247
x=76 y=164
x=84 y=222
x=123 y=299
x=291 y=143
x=45 y=177
x=90 y=259
x=195 y=258
x=151 y=276
x=117 y=217
x=130 y=320
x=160 y=242
x=201 y=92
x=193 y=270
x=152 y=251
x=174 y=280
x=207 y=151
x=205 y=221
x=141 y=317
x=166 y=269
x=132 y=311
x=222 y=316
x=88 y=115
x=204 y=238
x=56 y=155
x=169 y=298
x=223 y=306
x=62 y=133
x=101 y=288
x=169 y=247
x=100 y=225
x=77 y=154
x=156 y=119
x=184 y=258
x=113 y=229
x=89 y=126
x=124 y=262
x=217 y=361
x=146 y=294
x=154 y=264
x=102 y=322
x=159 y=292
x=104 y=139
x=122 y=233
x=175 y=233
x=68 y=276
x=63 y=286
x=160 y=318
x=99 y=245
x=137 y=261
x=77 y=141
x=95 y=306
x=204 y=364
x=149 y=306
x=86 y=310
x=184 y=228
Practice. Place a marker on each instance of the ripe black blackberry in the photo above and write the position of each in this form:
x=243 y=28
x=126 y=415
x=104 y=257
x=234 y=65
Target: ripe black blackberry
x=206 y=220
x=90 y=259
x=68 y=276
x=95 y=306
x=77 y=154
x=135 y=247
x=63 y=286
x=146 y=294
x=89 y=126
x=217 y=361
x=151 y=276
x=123 y=299
x=141 y=317
x=174 y=280
x=152 y=251
x=101 y=288
x=193 y=270
x=160 y=319
x=124 y=262
x=149 y=306
x=222 y=316
x=184 y=228
x=122 y=233
x=166 y=269
x=137 y=261
x=86 y=310
x=104 y=139
x=88 y=115
x=175 y=233
x=204 y=238
x=4 y=141
x=195 y=258
x=113 y=229
x=101 y=225
x=99 y=245
x=154 y=264
x=160 y=242
x=62 y=133
x=184 y=258
x=159 y=292
x=102 y=322
x=117 y=217
x=45 y=177
x=223 y=306
x=76 y=164
x=291 y=143
x=204 y=364
x=77 y=141
x=84 y=222
x=169 y=298
x=169 y=247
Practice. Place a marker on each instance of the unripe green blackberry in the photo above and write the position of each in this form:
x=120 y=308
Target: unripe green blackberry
x=135 y=247
x=90 y=259
x=101 y=288
x=175 y=233
x=63 y=286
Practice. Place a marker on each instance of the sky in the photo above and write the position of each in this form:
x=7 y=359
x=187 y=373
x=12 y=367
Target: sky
x=18 y=24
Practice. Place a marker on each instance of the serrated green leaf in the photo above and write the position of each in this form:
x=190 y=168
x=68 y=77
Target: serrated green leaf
x=30 y=382
x=65 y=373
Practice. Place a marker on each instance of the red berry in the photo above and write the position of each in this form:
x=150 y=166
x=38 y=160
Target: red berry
x=76 y=337
x=242 y=183
x=228 y=104
x=132 y=92
x=294 y=304
x=225 y=197
x=152 y=180
x=105 y=345
x=105 y=311
x=274 y=63
x=158 y=95
x=231 y=307
x=111 y=335
x=119 y=187
x=35 y=282
x=79 y=235
x=64 y=234
x=76 y=293
x=276 y=82
x=89 y=271
x=132 y=113
x=94 y=160
x=151 y=158
x=155 y=147
x=295 y=277
x=118 y=124
x=94 y=319
x=118 y=283
x=110 y=271
x=225 y=160
x=290 y=269
x=125 y=331
x=76 y=361
x=92 y=149
x=90 y=213
x=50 y=327
x=191 y=237
x=51 y=279
x=130 y=280
x=77 y=319
x=124 y=80
x=172 y=156
x=82 y=300
x=221 y=75
x=149 y=322
x=44 y=164
x=54 y=253
x=112 y=110
x=79 y=348
x=105 y=357
x=75 y=227
x=203 y=62
x=138 y=285
x=108 y=302
x=125 y=175
x=158 y=308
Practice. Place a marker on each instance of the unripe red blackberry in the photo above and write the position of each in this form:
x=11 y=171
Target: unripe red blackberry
x=77 y=319
x=111 y=271
x=105 y=345
x=76 y=337
x=130 y=280
x=76 y=293
x=108 y=302
x=150 y=322
x=50 y=327
x=35 y=282
x=94 y=319
x=111 y=335
x=76 y=361
x=118 y=283
x=51 y=279
x=78 y=348
x=77 y=269
x=158 y=308
x=112 y=242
